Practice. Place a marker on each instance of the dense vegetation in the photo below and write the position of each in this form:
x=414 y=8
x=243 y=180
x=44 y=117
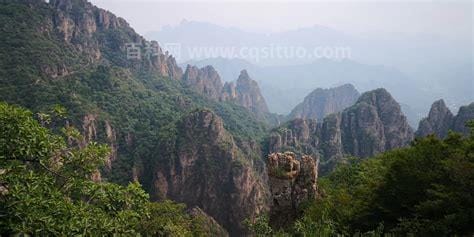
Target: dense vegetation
x=425 y=190
x=49 y=172
x=49 y=186
x=134 y=101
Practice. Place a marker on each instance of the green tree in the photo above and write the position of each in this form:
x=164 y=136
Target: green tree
x=49 y=185
x=424 y=189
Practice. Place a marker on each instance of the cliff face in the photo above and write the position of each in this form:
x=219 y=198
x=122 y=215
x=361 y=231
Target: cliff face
x=134 y=107
x=209 y=171
x=322 y=102
x=465 y=114
x=374 y=124
x=298 y=135
x=292 y=181
x=246 y=93
x=95 y=32
x=206 y=81
x=440 y=120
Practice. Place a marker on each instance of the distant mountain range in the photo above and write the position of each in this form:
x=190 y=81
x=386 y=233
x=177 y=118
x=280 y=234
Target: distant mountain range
x=404 y=51
x=186 y=135
x=425 y=67
x=285 y=86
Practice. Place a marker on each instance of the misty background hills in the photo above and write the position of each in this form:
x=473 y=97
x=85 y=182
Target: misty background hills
x=285 y=86
x=416 y=69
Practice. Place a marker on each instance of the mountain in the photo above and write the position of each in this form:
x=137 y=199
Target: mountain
x=374 y=124
x=71 y=53
x=210 y=171
x=205 y=80
x=88 y=80
x=245 y=92
x=465 y=114
x=440 y=120
x=285 y=86
x=371 y=47
x=228 y=68
x=424 y=57
x=322 y=102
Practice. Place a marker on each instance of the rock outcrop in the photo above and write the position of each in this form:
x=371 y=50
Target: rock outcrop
x=246 y=93
x=374 y=124
x=322 y=102
x=91 y=127
x=206 y=81
x=440 y=120
x=209 y=171
x=465 y=114
x=292 y=182
x=298 y=135
x=93 y=31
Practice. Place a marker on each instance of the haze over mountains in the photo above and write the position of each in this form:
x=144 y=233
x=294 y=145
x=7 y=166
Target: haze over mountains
x=392 y=49
x=186 y=153
x=408 y=66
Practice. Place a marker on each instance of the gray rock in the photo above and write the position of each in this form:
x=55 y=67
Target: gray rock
x=322 y=102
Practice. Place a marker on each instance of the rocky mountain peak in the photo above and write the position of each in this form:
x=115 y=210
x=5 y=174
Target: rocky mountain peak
x=205 y=80
x=439 y=108
x=93 y=31
x=377 y=97
x=244 y=75
x=465 y=114
x=322 y=102
x=374 y=124
x=246 y=92
x=439 y=121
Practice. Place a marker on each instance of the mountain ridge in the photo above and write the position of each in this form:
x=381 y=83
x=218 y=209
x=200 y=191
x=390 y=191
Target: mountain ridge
x=374 y=124
x=322 y=102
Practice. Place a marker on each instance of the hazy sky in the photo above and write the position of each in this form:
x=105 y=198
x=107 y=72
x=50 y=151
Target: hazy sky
x=452 y=19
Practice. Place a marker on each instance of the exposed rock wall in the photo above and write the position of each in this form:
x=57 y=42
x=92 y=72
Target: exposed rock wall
x=322 y=102
x=440 y=120
x=92 y=127
x=210 y=172
x=292 y=182
x=374 y=124
x=92 y=31
x=245 y=92
x=465 y=114
x=205 y=80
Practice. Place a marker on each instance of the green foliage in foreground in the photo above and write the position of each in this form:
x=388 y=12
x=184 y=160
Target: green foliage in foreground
x=46 y=187
x=422 y=190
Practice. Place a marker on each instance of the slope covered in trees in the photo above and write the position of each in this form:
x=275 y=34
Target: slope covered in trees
x=49 y=186
x=72 y=53
x=424 y=189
